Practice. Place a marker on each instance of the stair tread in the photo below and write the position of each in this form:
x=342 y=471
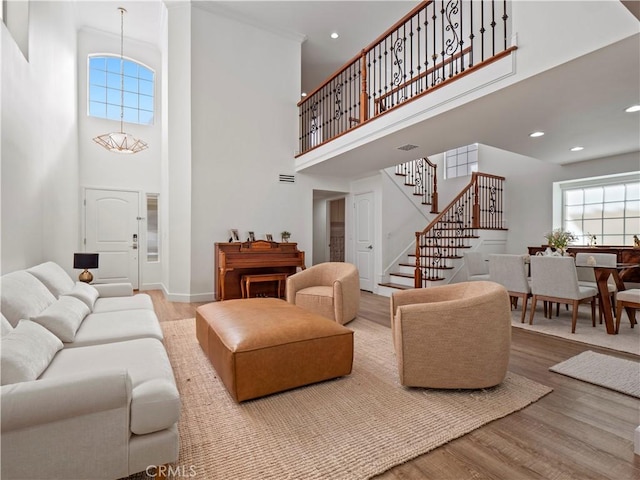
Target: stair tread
x=396 y=285
x=447 y=257
x=410 y=275
x=424 y=266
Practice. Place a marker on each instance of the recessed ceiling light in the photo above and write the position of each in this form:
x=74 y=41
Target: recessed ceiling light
x=633 y=108
x=536 y=134
x=577 y=149
x=334 y=35
x=304 y=94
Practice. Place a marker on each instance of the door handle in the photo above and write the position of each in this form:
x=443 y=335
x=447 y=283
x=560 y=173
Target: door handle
x=370 y=247
x=135 y=241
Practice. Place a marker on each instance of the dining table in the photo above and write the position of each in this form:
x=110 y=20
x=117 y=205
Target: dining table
x=602 y=274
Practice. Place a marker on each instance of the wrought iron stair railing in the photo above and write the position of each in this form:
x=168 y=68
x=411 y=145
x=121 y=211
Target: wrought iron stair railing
x=479 y=206
x=437 y=42
x=421 y=174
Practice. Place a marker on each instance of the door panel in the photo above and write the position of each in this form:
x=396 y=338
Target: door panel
x=364 y=222
x=111 y=229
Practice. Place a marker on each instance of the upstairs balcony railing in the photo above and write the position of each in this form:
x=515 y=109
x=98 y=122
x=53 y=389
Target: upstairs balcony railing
x=435 y=43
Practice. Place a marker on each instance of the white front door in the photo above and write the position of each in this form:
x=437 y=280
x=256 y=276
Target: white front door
x=364 y=221
x=111 y=230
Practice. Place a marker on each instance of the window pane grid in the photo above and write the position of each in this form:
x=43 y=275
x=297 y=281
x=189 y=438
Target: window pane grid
x=610 y=212
x=108 y=77
x=462 y=161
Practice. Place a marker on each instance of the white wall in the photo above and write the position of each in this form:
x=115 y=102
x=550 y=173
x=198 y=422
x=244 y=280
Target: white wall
x=244 y=85
x=100 y=168
x=40 y=206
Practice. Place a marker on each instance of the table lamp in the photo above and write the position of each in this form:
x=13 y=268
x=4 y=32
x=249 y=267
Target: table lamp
x=85 y=261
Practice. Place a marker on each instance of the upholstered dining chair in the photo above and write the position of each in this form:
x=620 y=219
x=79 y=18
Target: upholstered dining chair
x=627 y=299
x=586 y=276
x=452 y=336
x=555 y=280
x=330 y=289
x=476 y=265
x=509 y=271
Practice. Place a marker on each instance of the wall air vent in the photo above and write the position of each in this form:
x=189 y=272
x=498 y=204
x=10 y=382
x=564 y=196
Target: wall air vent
x=407 y=147
x=282 y=178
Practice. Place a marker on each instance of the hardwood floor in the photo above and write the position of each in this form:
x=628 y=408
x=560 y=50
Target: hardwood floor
x=579 y=431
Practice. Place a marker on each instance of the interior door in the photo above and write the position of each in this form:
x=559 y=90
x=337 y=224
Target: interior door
x=364 y=222
x=111 y=229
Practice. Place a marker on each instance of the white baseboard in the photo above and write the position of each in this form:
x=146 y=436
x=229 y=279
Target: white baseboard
x=187 y=297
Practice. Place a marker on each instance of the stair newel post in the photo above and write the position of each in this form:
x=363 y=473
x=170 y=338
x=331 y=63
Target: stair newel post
x=364 y=96
x=417 y=275
x=434 y=195
x=476 y=202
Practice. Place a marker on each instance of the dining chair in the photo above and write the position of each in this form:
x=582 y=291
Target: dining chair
x=555 y=280
x=509 y=271
x=627 y=299
x=586 y=277
x=476 y=265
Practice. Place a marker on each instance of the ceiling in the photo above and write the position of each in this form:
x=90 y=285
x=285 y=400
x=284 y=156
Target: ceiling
x=578 y=103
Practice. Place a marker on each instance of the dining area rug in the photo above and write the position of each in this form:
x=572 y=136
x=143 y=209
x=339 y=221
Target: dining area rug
x=353 y=427
x=628 y=340
x=607 y=371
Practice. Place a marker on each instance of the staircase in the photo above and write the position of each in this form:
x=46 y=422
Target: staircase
x=440 y=246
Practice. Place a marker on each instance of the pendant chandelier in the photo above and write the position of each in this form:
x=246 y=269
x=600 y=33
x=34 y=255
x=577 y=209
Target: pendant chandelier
x=121 y=142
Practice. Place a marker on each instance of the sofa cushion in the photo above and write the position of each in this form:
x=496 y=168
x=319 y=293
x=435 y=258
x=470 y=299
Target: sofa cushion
x=5 y=326
x=23 y=296
x=85 y=292
x=53 y=276
x=141 y=301
x=107 y=327
x=26 y=352
x=63 y=317
x=155 y=402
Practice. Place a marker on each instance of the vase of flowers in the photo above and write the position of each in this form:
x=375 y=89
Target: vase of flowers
x=285 y=236
x=560 y=239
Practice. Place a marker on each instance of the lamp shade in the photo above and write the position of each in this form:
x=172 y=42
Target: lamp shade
x=85 y=260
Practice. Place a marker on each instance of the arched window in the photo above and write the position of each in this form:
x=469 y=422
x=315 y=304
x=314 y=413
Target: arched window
x=105 y=89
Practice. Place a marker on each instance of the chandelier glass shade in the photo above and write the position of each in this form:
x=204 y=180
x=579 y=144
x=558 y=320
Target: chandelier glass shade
x=121 y=142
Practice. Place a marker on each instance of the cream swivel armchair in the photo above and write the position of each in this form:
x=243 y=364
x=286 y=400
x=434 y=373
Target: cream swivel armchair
x=330 y=289
x=452 y=336
x=509 y=271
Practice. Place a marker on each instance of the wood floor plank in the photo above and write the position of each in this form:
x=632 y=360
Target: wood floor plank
x=578 y=431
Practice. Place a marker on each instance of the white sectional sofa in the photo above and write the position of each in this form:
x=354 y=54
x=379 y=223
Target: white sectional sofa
x=87 y=387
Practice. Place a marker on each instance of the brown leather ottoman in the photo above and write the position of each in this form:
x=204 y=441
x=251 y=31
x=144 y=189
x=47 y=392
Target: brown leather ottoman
x=260 y=346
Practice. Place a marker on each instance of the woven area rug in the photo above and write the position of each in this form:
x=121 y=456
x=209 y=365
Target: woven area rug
x=628 y=340
x=606 y=371
x=353 y=427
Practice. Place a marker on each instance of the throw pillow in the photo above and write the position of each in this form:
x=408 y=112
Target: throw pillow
x=63 y=318
x=26 y=352
x=85 y=292
x=53 y=276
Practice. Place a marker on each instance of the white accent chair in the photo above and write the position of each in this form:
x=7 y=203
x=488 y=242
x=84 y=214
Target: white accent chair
x=555 y=280
x=510 y=272
x=627 y=299
x=476 y=265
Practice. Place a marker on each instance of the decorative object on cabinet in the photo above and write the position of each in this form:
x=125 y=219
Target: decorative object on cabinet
x=235 y=236
x=285 y=235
